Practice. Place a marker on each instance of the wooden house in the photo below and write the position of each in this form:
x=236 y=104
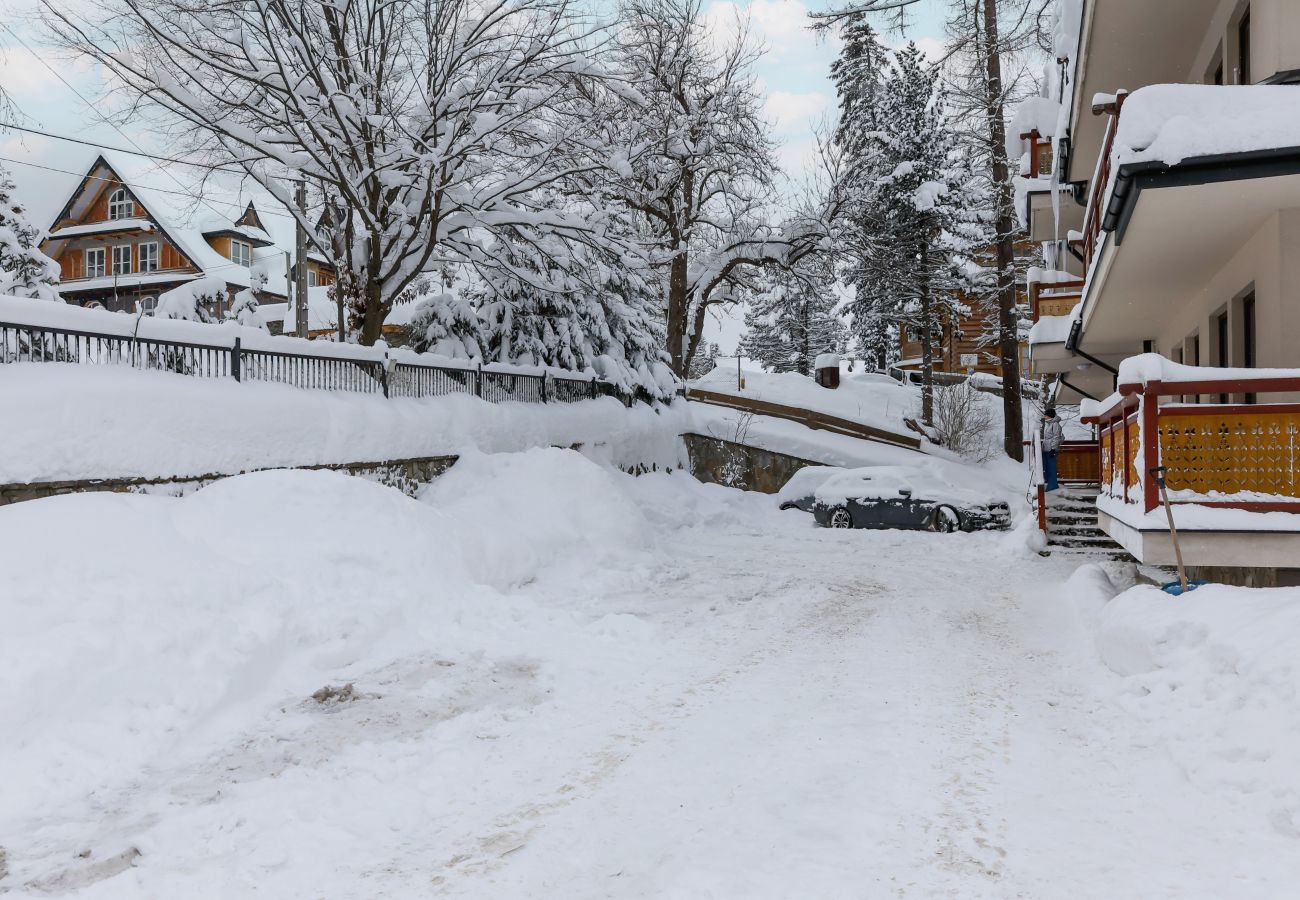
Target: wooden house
x=120 y=242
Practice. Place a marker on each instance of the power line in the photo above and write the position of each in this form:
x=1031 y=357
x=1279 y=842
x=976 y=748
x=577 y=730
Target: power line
x=167 y=159
x=57 y=74
x=187 y=194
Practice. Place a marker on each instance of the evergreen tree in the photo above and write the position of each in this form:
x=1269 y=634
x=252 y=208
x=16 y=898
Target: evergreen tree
x=921 y=203
x=859 y=73
x=24 y=270
x=794 y=320
x=704 y=362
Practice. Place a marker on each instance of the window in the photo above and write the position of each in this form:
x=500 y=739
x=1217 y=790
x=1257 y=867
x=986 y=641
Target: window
x=122 y=260
x=148 y=305
x=1243 y=48
x=311 y=278
x=1221 y=330
x=95 y=262
x=149 y=257
x=241 y=253
x=120 y=205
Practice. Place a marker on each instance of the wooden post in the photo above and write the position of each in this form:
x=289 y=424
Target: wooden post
x=1042 y=508
x=1151 y=440
x=235 y=360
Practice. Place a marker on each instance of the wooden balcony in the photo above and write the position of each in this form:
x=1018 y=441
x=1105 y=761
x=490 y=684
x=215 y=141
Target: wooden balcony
x=1228 y=455
x=1054 y=298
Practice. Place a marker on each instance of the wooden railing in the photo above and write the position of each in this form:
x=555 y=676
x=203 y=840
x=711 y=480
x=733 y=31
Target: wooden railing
x=810 y=418
x=1100 y=180
x=1244 y=456
x=1057 y=298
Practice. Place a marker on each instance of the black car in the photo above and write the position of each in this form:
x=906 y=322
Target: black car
x=899 y=497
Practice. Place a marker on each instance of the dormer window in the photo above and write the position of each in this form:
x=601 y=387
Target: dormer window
x=241 y=253
x=120 y=205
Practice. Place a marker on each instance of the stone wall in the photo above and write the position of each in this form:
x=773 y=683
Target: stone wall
x=404 y=474
x=715 y=461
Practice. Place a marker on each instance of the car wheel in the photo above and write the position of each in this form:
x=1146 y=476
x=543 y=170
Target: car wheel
x=945 y=520
x=840 y=518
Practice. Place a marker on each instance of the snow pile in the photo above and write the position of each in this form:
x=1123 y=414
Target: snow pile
x=1052 y=329
x=1169 y=123
x=1212 y=674
x=1035 y=113
x=180 y=624
x=115 y=422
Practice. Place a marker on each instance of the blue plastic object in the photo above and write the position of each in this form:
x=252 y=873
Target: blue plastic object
x=1176 y=587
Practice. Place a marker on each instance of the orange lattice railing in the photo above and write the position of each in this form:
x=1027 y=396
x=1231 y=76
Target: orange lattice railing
x=1230 y=449
x=1243 y=455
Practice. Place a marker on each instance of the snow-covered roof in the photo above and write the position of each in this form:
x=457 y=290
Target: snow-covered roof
x=184 y=214
x=102 y=227
x=1169 y=123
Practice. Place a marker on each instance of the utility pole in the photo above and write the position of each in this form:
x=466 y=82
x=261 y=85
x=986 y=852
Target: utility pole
x=300 y=261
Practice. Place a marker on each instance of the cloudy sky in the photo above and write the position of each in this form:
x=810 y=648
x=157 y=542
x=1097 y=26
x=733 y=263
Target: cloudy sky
x=54 y=95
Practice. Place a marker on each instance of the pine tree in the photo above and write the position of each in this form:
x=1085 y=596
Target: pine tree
x=704 y=362
x=794 y=320
x=921 y=206
x=859 y=73
x=24 y=270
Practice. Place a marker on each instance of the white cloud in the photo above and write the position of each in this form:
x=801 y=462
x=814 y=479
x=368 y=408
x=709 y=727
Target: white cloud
x=788 y=111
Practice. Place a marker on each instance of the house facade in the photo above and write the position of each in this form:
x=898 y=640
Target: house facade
x=121 y=242
x=1161 y=174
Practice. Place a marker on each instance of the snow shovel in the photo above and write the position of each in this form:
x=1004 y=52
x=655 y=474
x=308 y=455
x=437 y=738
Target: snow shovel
x=1182 y=585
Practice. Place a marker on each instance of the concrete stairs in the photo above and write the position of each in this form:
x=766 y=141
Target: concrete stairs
x=1072 y=524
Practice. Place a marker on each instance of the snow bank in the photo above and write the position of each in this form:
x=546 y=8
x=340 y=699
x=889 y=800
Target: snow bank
x=1212 y=675
x=179 y=622
x=1051 y=329
x=1171 y=122
x=875 y=403
x=115 y=422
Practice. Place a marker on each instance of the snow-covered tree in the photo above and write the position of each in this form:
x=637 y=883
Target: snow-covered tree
x=920 y=205
x=988 y=40
x=446 y=325
x=704 y=362
x=419 y=125
x=698 y=164
x=794 y=319
x=24 y=270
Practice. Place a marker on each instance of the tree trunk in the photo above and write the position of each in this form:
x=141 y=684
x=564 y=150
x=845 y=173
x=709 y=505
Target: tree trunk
x=927 y=343
x=1008 y=319
x=677 y=347
x=372 y=322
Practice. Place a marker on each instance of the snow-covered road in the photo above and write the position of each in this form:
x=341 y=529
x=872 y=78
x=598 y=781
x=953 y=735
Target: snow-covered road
x=753 y=708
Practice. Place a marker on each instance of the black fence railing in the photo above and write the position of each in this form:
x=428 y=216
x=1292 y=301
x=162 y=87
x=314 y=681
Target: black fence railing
x=386 y=375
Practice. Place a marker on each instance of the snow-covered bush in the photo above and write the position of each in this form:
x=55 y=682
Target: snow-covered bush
x=964 y=421
x=446 y=325
x=244 y=308
x=194 y=301
x=24 y=270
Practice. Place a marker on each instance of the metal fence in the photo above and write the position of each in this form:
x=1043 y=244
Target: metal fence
x=387 y=376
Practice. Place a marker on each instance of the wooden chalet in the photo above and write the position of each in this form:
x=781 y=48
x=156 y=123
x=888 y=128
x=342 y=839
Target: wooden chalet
x=121 y=243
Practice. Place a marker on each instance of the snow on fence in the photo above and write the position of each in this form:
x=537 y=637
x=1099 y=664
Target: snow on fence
x=34 y=331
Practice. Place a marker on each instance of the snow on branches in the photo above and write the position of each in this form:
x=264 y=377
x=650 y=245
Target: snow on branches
x=24 y=270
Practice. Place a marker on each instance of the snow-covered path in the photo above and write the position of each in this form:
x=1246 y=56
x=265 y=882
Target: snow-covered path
x=755 y=709
x=877 y=722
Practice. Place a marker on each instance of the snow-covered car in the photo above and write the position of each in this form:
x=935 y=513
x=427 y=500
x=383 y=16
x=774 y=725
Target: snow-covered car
x=915 y=497
x=797 y=493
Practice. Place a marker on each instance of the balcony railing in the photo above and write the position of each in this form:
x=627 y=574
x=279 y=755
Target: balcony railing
x=1100 y=179
x=1236 y=455
x=1054 y=298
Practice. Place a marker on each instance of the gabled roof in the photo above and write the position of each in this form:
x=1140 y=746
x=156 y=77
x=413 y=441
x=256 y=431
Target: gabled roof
x=173 y=207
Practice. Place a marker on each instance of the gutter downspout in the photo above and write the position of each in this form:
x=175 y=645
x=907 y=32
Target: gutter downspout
x=1072 y=344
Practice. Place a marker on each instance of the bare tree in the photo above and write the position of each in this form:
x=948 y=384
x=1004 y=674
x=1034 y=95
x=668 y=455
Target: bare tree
x=420 y=124
x=699 y=164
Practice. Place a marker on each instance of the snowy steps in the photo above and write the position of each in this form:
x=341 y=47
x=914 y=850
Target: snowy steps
x=1072 y=525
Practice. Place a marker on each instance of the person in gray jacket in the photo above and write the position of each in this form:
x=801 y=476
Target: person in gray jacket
x=1052 y=437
